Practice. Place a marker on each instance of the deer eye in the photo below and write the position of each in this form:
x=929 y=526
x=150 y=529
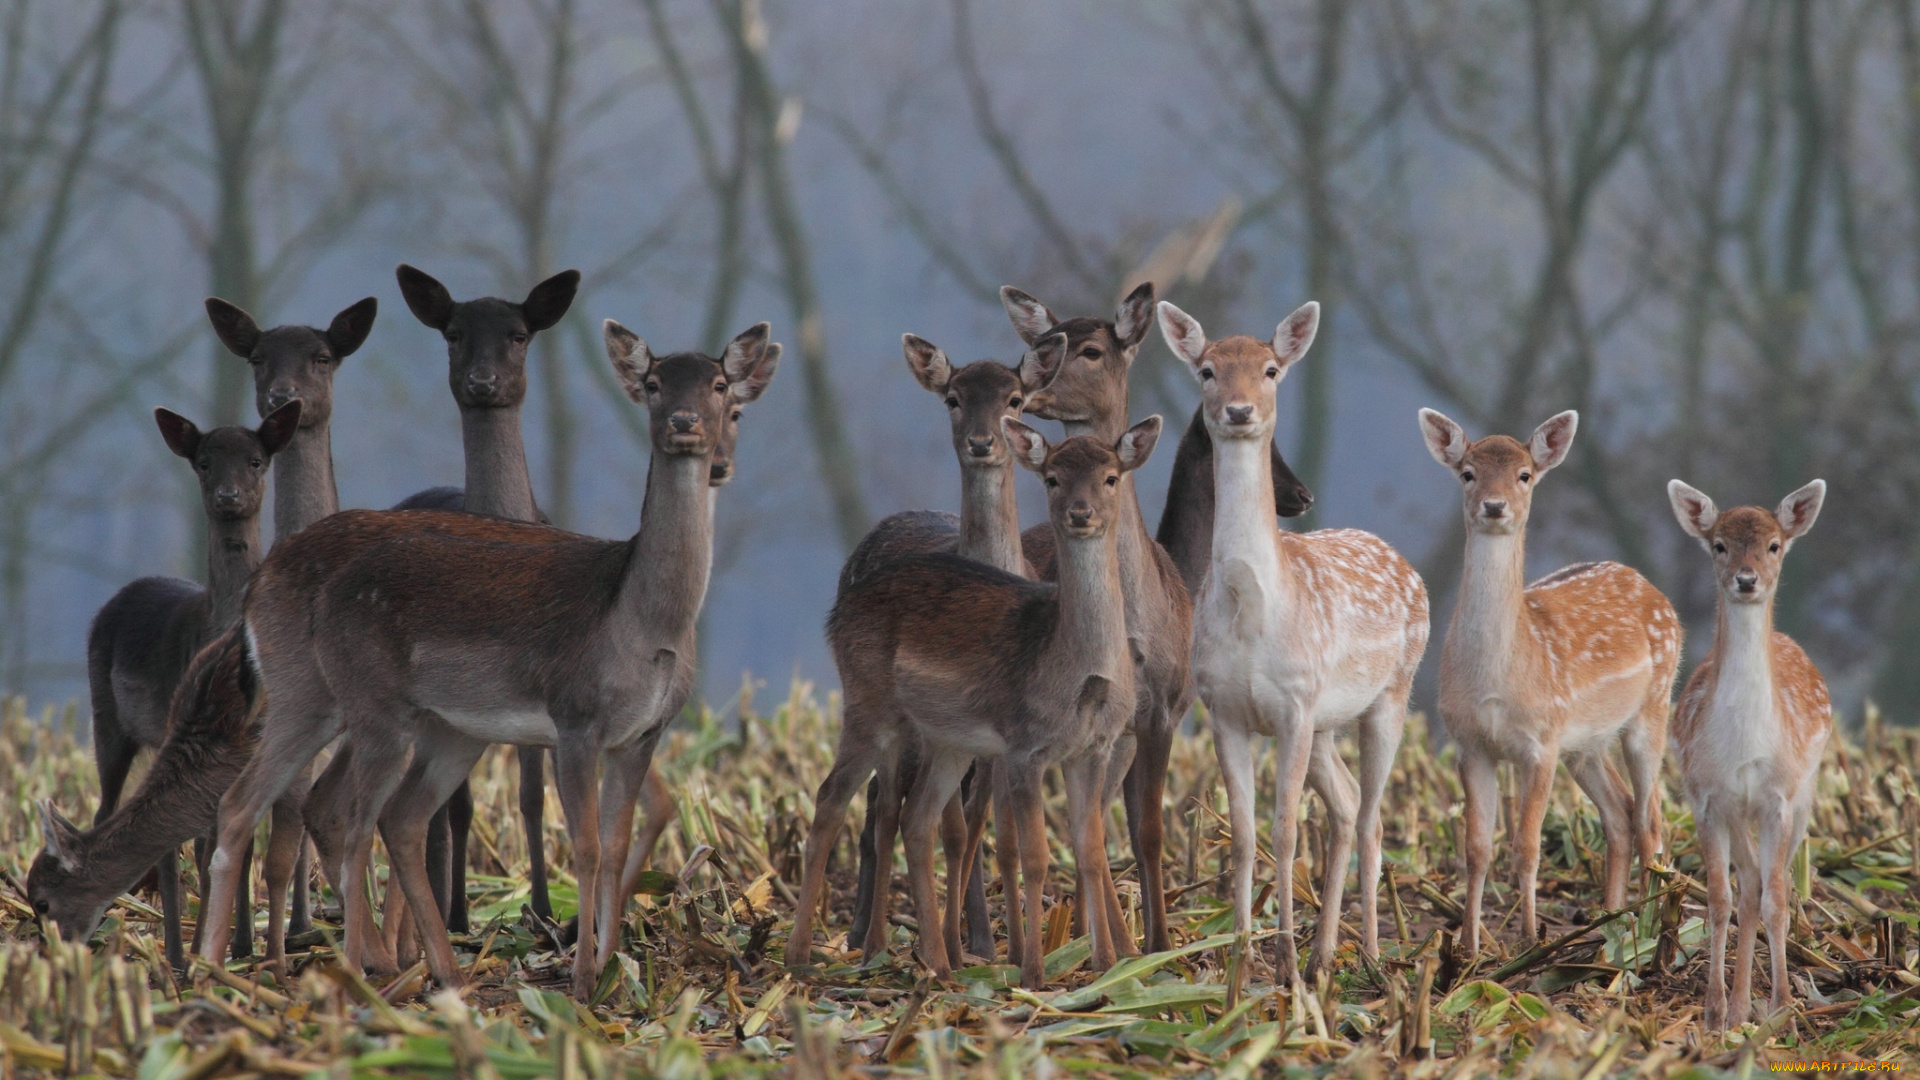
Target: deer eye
x=720 y=387
x=653 y=386
x=953 y=402
x=453 y=337
x=1090 y=353
x=1774 y=547
x=1053 y=482
x=520 y=339
x=322 y=358
x=1466 y=476
x=1014 y=402
x=1273 y=372
x=736 y=414
x=42 y=907
x=255 y=462
x=1113 y=481
x=203 y=465
x=1206 y=374
x=1526 y=477
x=1719 y=548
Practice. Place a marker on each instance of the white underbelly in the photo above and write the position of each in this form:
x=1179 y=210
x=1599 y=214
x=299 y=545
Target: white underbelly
x=517 y=725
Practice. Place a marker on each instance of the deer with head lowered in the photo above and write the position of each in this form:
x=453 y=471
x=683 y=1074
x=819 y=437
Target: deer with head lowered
x=143 y=639
x=987 y=530
x=1753 y=721
x=1572 y=664
x=1300 y=637
x=974 y=662
x=451 y=631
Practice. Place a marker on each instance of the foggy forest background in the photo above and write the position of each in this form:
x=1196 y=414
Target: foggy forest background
x=1697 y=223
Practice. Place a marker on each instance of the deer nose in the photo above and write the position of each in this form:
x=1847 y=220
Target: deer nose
x=1239 y=414
x=279 y=395
x=1080 y=515
x=1746 y=582
x=683 y=422
x=979 y=446
x=1494 y=508
x=226 y=496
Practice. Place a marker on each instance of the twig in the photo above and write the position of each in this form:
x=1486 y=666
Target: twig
x=1539 y=953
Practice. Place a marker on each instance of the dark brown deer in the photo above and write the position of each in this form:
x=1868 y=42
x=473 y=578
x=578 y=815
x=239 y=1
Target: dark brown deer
x=451 y=631
x=80 y=871
x=294 y=362
x=143 y=639
x=981 y=663
x=987 y=530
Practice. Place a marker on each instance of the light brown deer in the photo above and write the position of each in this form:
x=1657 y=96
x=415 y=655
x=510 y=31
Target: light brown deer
x=1571 y=665
x=981 y=663
x=1302 y=638
x=452 y=631
x=1753 y=722
x=987 y=530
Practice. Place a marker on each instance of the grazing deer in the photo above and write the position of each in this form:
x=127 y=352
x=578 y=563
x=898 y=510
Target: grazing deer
x=987 y=530
x=1299 y=637
x=211 y=733
x=451 y=631
x=1576 y=662
x=1089 y=397
x=144 y=638
x=487 y=343
x=1753 y=721
x=979 y=663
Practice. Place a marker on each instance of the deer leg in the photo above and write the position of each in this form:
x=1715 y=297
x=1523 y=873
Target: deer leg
x=953 y=848
x=621 y=780
x=1234 y=752
x=1644 y=744
x=113 y=754
x=1536 y=786
x=1030 y=828
x=1777 y=841
x=1380 y=731
x=574 y=768
x=940 y=772
x=292 y=735
x=1293 y=756
x=887 y=795
x=979 y=921
x=283 y=853
x=439 y=841
x=243 y=912
x=1085 y=778
x=1006 y=852
x=1480 y=780
x=658 y=805
x=1714 y=857
x=170 y=911
x=1746 y=864
x=460 y=827
x=1595 y=774
x=869 y=871
x=323 y=814
x=374 y=773
x=442 y=758
x=858 y=752
x=300 y=907
x=533 y=811
x=1331 y=778
x=1146 y=791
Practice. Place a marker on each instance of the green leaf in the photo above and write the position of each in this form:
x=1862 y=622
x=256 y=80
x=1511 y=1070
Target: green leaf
x=1068 y=957
x=1163 y=996
x=656 y=883
x=1478 y=994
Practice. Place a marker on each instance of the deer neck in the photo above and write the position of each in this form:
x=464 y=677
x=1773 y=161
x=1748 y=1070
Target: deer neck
x=1744 y=685
x=1489 y=618
x=303 y=487
x=1090 y=635
x=233 y=553
x=497 y=481
x=990 y=517
x=666 y=576
x=1247 y=557
x=1134 y=543
x=1186 y=523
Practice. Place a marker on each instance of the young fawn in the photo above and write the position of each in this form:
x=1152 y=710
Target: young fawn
x=986 y=530
x=1576 y=662
x=451 y=631
x=144 y=638
x=1753 y=721
x=980 y=663
x=1298 y=637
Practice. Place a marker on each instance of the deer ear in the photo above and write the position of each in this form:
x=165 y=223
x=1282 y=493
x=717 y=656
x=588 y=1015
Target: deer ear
x=183 y=438
x=1294 y=336
x=630 y=359
x=1694 y=510
x=236 y=329
x=350 y=328
x=1042 y=362
x=755 y=383
x=929 y=364
x=745 y=351
x=1445 y=439
x=548 y=302
x=276 y=431
x=429 y=300
x=62 y=836
x=1797 y=511
x=1553 y=439
x=1137 y=442
x=1135 y=317
x=1029 y=446
x=1183 y=335
x=1030 y=317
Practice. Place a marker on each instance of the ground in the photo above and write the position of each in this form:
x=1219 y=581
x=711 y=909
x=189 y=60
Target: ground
x=699 y=990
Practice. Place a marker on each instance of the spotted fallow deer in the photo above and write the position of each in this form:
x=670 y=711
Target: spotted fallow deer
x=143 y=640
x=1570 y=665
x=986 y=530
x=1300 y=637
x=1753 y=721
x=451 y=631
x=979 y=663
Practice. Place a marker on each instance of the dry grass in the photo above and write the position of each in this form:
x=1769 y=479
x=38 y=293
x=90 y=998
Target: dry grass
x=698 y=989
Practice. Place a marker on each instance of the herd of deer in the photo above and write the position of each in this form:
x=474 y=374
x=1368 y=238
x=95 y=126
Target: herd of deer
x=973 y=657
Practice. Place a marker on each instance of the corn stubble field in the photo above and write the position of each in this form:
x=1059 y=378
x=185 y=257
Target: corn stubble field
x=698 y=989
